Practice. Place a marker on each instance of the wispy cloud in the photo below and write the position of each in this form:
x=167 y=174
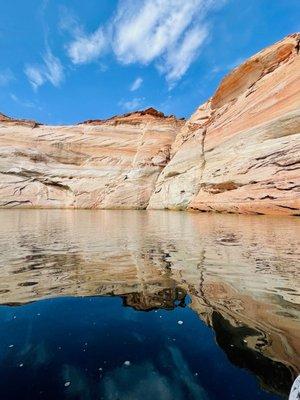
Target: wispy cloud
x=83 y=48
x=27 y=104
x=35 y=75
x=133 y=104
x=86 y=48
x=169 y=33
x=136 y=84
x=50 y=70
x=178 y=61
x=6 y=77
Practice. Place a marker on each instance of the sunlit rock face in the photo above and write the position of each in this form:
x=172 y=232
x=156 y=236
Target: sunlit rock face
x=96 y=164
x=240 y=151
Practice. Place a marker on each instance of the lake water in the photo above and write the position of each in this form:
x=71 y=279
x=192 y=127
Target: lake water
x=127 y=305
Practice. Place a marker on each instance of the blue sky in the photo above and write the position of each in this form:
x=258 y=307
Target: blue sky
x=70 y=60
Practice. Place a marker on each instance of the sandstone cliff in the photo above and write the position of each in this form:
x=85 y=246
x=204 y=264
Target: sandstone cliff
x=239 y=152
x=96 y=164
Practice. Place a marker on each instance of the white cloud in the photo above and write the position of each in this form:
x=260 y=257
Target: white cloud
x=50 y=70
x=178 y=60
x=132 y=105
x=136 y=84
x=35 y=75
x=86 y=48
x=169 y=32
x=54 y=69
x=6 y=77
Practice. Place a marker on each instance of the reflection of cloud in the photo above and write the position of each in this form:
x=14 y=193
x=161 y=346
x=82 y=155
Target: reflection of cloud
x=79 y=387
x=33 y=355
x=146 y=381
x=184 y=373
x=138 y=382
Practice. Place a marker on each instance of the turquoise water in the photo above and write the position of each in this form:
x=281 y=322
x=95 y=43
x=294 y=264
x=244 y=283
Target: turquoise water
x=135 y=305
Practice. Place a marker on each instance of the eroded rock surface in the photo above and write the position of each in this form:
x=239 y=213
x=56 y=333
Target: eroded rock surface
x=96 y=164
x=240 y=151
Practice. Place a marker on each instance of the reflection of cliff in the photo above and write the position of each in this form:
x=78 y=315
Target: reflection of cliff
x=240 y=273
x=274 y=375
x=276 y=336
x=167 y=299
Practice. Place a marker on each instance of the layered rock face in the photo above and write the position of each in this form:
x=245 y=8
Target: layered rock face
x=240 y=151
x=96 y=164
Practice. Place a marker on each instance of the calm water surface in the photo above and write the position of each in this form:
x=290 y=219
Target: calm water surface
x=129 y=305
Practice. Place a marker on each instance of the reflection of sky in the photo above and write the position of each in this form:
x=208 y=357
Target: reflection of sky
x=145 y=381
x=76 y=348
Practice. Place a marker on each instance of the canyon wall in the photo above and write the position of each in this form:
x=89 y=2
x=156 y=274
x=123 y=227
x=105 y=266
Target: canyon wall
x=239 y=152
x=96 y=164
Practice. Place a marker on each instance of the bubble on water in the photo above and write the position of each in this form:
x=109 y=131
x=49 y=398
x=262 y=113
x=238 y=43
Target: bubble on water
x=67 y=384
x=179 y=322
x=127 y=363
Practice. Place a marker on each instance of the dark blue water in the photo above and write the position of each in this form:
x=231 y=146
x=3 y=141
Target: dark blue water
x=97 y=348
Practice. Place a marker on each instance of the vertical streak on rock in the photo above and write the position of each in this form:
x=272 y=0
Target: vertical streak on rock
x=203 y=155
